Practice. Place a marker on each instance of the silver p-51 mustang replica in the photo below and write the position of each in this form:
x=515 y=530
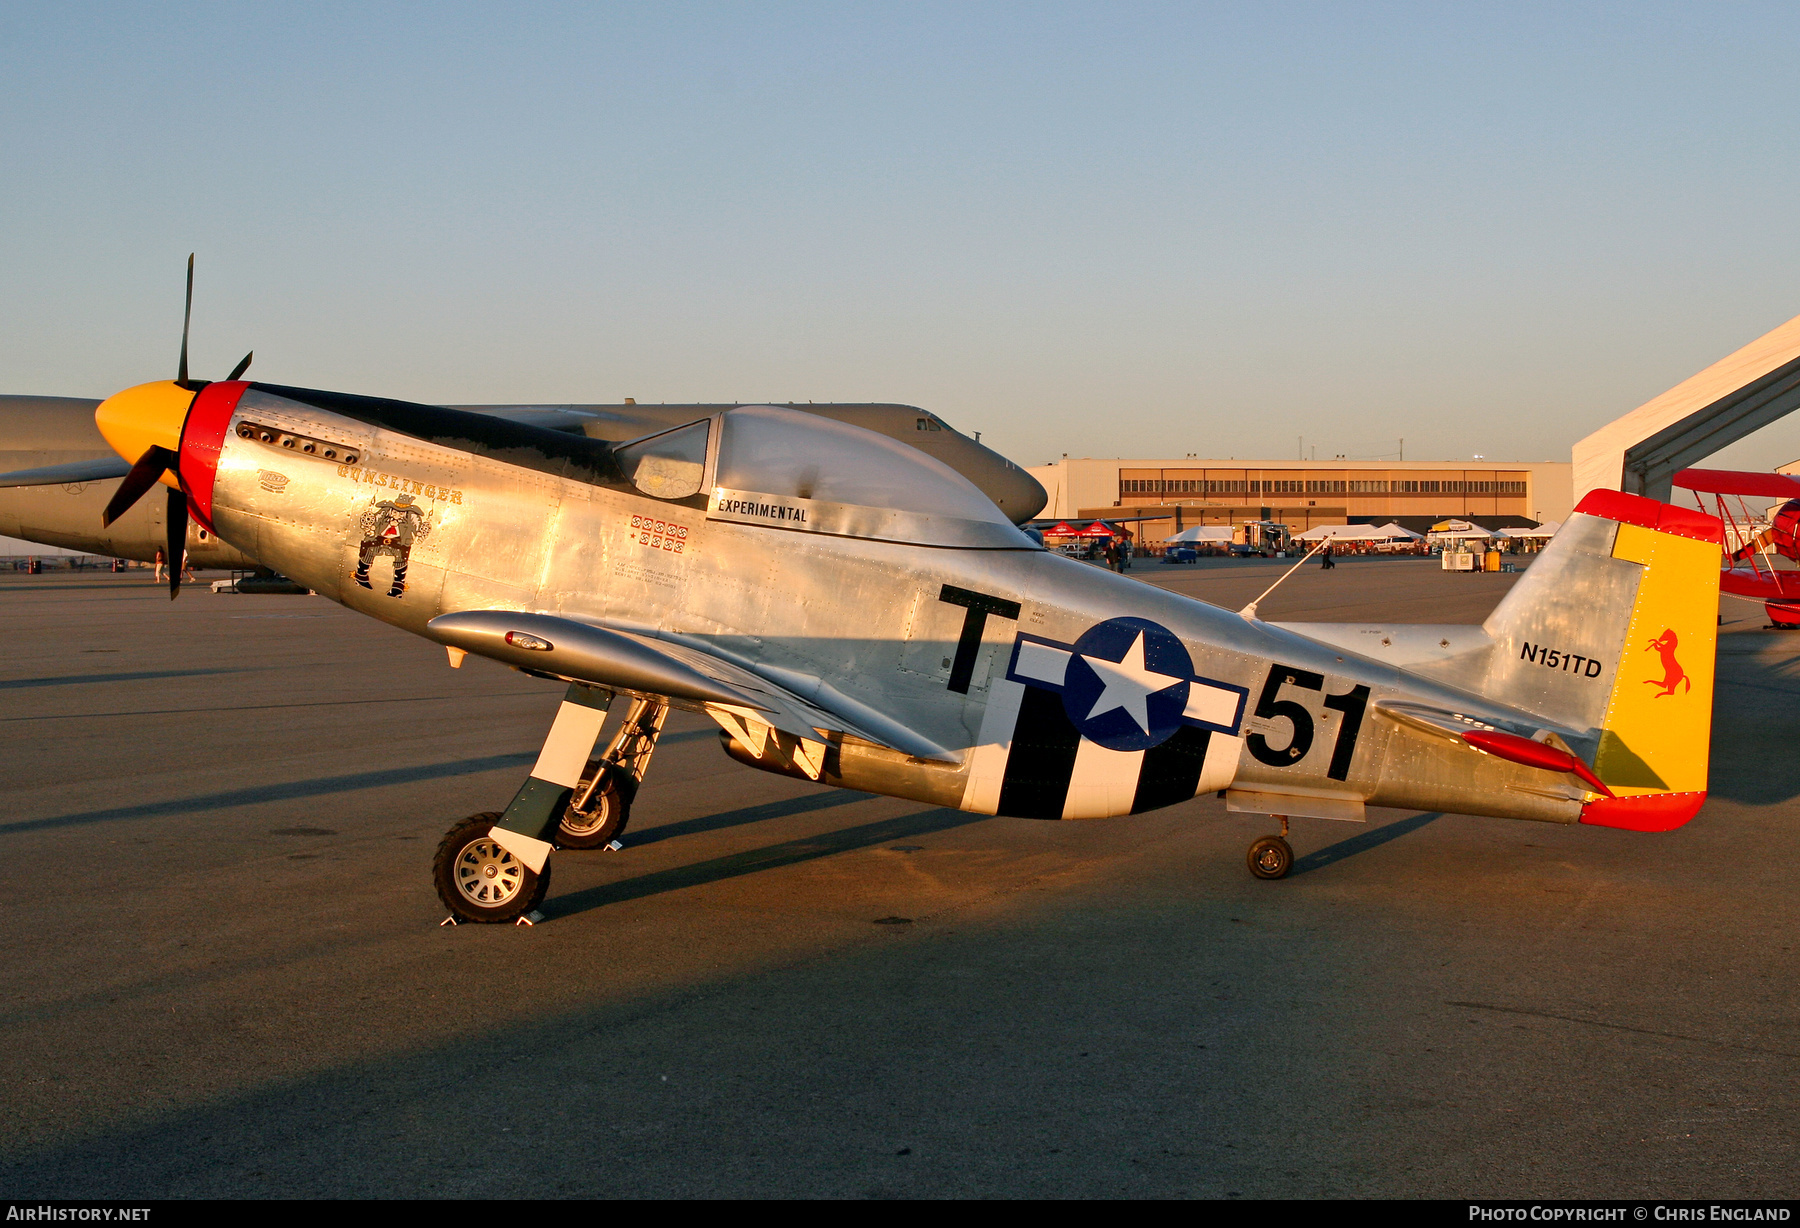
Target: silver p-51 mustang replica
x=851 y=611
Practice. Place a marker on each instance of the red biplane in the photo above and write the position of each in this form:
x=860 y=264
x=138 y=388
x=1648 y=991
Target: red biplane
x=1753 y=543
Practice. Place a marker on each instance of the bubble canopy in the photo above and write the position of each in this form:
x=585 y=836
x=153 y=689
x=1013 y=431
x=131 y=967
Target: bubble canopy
x=793 y=470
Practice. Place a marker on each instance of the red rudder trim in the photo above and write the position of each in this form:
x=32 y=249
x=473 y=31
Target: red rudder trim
x=1648 y=812
x=1649 y=514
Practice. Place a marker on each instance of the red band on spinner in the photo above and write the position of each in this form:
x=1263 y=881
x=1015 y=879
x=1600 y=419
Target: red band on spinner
x=202 y=438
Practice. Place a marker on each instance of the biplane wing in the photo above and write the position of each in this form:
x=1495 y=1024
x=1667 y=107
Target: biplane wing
x=1761 y=586
x=1736 y=482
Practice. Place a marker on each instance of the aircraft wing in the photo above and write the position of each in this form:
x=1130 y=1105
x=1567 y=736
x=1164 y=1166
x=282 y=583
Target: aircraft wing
x=810 y=706
x=74 y=471
x=688 y=673
x=1762 y=586
x=1733 y=482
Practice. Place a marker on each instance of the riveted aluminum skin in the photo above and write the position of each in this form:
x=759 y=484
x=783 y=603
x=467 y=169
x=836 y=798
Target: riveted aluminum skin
x=844 y=619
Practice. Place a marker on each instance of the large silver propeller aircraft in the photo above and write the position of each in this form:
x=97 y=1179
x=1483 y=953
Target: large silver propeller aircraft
x=851 y=611
x=62 y=468
x=62 y=471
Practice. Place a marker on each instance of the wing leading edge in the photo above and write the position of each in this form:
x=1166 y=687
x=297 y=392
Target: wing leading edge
x=687 y=673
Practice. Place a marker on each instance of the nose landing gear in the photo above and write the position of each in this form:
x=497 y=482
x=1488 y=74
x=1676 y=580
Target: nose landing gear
x=1272 y=856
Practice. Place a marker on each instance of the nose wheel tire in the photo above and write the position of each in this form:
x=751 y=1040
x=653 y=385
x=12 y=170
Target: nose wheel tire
x=478 y=880
x=1270 y=857
x=607 y=813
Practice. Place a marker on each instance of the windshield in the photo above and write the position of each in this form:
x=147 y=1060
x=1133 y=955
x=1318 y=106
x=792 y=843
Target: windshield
x=668 y=465
x=795 y=470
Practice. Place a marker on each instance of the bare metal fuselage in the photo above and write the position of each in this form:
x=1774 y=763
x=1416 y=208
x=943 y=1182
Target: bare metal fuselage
x=37 y=432
x=868 y=618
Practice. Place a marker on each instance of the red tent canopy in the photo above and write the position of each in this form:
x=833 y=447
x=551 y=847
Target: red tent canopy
x=1061 y=528
x=1097 y=529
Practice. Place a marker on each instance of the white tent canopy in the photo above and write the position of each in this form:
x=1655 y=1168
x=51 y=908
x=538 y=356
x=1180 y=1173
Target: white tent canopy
x=1342 y=532
x=1393 y=529
x=1455 y=529
x=1547 y=529
x=1199 y=533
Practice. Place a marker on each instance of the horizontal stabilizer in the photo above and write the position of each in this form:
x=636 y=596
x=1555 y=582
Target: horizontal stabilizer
x=100 y=470
x=1453 y=725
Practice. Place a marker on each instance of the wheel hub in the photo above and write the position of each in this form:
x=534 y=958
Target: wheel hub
x=579 y=823
x=486 y=874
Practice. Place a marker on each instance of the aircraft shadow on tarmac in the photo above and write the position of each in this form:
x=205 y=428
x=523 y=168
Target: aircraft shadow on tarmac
x=1756 y=723
x=754 y=861
x=13 y=684
x=803 y=804
x=318 y=787
x=1361 y=842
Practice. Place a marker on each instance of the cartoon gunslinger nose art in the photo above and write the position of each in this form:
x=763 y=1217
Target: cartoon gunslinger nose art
x=1673 y=675
x=391 y=527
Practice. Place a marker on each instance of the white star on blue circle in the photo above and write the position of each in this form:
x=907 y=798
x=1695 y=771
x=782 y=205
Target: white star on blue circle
x=1127 y=684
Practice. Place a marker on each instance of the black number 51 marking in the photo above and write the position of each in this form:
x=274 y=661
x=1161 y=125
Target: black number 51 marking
x=1269 y=705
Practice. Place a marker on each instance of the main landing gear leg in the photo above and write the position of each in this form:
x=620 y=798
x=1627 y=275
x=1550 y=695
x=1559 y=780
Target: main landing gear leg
x=601 y=805
x=1272 y=856
x=495 y=867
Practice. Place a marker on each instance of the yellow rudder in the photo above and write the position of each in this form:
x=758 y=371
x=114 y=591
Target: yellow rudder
x=1656 y=734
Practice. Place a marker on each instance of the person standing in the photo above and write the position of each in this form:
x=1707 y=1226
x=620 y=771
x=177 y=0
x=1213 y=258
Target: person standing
x=1326 y=563
x=159 y=565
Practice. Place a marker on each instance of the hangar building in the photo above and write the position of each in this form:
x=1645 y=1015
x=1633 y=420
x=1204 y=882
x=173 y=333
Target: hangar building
x=1304 y=494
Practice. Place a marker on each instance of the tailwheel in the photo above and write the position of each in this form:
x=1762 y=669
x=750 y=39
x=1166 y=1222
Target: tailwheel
x=597 y=813
x=478 y=880
x=1271 y=857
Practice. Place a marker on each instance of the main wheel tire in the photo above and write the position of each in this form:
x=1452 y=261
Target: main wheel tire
x=478 y=880
x=1270 y=857
x=609 y=813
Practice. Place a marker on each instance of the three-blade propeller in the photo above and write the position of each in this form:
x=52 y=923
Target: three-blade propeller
x=156 y=460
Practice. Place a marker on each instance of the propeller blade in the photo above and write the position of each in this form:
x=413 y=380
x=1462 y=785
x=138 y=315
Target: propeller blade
x=241 y=367
x=181 y=375
x=150 y=466
x=73 y=471
x=177 y=555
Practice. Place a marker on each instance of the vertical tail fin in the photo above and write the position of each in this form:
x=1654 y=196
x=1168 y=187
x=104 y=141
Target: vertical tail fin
x=1614 y=629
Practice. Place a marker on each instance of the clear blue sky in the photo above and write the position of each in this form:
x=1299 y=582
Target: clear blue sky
x=1095 y=229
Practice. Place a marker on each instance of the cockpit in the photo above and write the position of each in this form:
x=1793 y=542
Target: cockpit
x=766 y=465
